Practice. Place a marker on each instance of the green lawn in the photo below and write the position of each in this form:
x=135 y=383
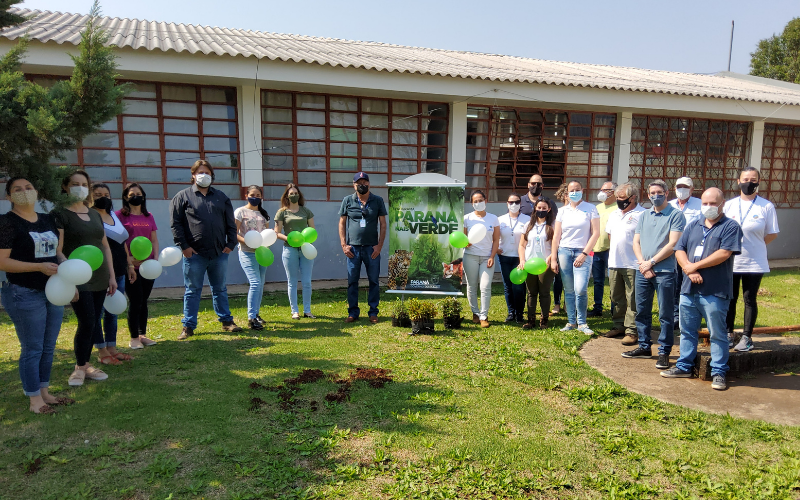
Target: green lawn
x=495 y=413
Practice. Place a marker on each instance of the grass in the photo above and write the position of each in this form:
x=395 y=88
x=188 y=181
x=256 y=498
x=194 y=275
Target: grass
x=472 y=413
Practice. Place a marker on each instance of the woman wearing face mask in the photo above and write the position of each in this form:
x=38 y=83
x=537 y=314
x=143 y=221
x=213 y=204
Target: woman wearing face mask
x=79 y=225
x=252 y=217
x=512 y=227
x=479 y=258
x=759 y=223
x=105 y=340
x=558 y=285
x=537 y=242
x=28 y=243
x=294 y=216
x=576 y=231
x=138 y=222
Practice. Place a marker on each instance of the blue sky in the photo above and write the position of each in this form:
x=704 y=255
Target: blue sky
x=675 y=35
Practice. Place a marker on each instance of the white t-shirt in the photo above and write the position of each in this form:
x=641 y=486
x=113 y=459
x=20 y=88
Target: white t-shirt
x=760 y=219
x=537 y=246
x=576 y=224
x=621 y=227
x=484 y=247
x=691 y=210
x=251 y=220
x=511 y=231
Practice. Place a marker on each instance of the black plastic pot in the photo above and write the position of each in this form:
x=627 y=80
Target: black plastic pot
x=452 y=322
x=401 y=322
x=421 y=327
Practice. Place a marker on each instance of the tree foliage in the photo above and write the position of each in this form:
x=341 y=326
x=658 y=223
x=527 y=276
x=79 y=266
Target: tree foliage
x=428 y=258
x=778 y=57
x=41 y=123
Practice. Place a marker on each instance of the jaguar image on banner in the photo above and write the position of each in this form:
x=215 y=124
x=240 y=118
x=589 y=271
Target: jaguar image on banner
x=423 y=210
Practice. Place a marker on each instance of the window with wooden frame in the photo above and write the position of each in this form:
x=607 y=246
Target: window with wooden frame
x=710 y=152
x=320 y=141
x=506 y=146
x=164 y=129
x=780 y=165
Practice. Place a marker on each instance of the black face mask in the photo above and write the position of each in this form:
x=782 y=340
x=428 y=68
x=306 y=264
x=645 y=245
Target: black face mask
x=542 y=213
x=104 y=203
x=748 y=188
x=623 y=204
x=136 y=200
x=362 y=188
x=535 y=190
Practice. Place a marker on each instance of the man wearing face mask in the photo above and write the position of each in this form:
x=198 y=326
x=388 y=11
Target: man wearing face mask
x=361 y=217
x=656 y=234
x=535 y=188
x=608 y=203
x=690 y=206
x=706 y=252
x=204 y=227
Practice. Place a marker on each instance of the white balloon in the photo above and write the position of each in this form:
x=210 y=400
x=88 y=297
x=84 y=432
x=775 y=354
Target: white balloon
x=58 y=291
x=268 y=237
x=115 y=304
x=477 y=234
x=253 y=239
x=170 y=256
x=309 y=251
x=75 y=271
x=150 y=269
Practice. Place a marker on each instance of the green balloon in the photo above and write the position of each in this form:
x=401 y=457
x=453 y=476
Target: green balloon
x=536 y=265
x=459 y=239
x=518 y=276
x=310 y=235
x=89 y=254
x=141 y=248
x=295 y=239
x=264 y=256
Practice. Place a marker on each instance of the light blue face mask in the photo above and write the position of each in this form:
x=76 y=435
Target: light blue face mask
x=575 y=196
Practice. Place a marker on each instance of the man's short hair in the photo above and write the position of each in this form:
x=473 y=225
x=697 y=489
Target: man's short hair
x=613 y=185
x=659 y=183
x=627 y=190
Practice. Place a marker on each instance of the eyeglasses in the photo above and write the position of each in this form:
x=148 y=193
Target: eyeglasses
x=536 y=183
x=607 y=190
x=514 y=202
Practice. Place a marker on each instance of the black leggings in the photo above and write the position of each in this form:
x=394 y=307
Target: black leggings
x=750 y=282
x=558 y=288
x=87 y=309
x=138 y=293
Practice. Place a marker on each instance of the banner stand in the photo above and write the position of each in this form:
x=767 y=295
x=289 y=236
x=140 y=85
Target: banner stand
x=423 y=210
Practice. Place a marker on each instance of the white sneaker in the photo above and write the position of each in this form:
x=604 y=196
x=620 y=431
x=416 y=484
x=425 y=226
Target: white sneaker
x=76 y=378
x=136 y=344
x=586 y=330
x=146 y=341
x=93 y=373
x=568 y=328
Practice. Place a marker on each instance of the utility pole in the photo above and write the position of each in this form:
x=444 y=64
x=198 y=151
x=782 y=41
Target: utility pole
x=730 y=49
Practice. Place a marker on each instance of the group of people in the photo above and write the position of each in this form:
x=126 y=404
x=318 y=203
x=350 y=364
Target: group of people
x=693 y=254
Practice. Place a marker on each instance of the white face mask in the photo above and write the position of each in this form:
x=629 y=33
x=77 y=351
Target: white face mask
x=514 y=208
x=710 y=212
x=23 y=198
x=601 y=196
x=202 y=180
x=683 y=193
x=479 y=206
x=80 y=192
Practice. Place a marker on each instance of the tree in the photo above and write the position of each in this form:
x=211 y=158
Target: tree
x=778 y=57
x=40 y=123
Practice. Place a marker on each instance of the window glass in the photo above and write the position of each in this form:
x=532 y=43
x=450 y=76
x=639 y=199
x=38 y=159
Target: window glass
x=180 y=126
x=176 y=93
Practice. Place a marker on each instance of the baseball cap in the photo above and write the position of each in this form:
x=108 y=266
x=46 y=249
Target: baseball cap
x=686 y=181
x=360 y=175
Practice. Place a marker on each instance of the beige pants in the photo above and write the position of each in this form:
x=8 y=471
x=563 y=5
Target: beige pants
x=622 y=284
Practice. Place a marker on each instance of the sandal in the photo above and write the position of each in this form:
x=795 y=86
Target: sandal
x=123 y=357
x=109 y=360
x=45 y=409
x=63 y=402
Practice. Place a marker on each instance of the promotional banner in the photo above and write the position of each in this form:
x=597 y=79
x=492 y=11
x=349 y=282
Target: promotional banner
x=421 y=218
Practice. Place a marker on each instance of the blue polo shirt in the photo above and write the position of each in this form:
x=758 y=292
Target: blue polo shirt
x=653 y=230
x=370 y=211
x=726 y=234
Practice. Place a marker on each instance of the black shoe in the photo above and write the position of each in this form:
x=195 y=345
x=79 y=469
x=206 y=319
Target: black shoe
x=254 y=324
x=594 y=314
x=663 y=361
x=520 y=319
x=530 y=325
x=676 y=372
x=261 y=320
x=510 y=318
x=638 y=353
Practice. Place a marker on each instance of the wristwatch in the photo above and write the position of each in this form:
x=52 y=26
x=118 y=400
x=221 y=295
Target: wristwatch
x=652 y=262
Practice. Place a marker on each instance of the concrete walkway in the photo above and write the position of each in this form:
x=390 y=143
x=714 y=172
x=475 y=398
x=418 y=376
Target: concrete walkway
x=772 y=397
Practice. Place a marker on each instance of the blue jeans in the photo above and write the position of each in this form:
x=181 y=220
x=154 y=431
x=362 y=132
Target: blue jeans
x=256 y=273
x=694 y=307
x=576 y=281
x=664 y=285
x=194 y=269
x=515 y=294
x=37 y=323
x=363 y=255
x=297 y=266
x=599 y=268
x=107 y=335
